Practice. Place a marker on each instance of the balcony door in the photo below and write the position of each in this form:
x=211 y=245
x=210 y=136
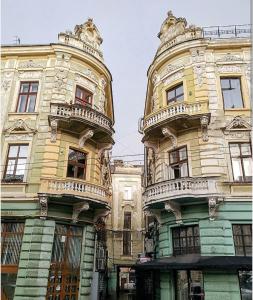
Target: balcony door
x=64 y=274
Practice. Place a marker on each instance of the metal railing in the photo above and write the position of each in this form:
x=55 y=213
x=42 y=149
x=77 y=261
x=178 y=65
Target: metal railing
x=229 y=31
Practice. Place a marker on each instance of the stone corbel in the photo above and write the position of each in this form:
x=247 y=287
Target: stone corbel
x=169 y=134
x=151 y=145
x=43 y=202
x=156 y=213
x=101 y=214
x=175 y=209
x=105 y=147
x=204 y=122
x=77 y=209
x=213 y=204
x=54 y=125
x=87 y=134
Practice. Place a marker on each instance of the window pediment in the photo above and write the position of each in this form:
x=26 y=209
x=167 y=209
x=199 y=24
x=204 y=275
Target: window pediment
x=237 y=124
x=19 y=126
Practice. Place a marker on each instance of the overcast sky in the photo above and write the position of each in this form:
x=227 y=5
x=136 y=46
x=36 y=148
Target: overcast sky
x=129 y=29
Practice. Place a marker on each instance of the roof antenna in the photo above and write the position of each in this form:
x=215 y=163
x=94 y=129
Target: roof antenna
x=17 y=40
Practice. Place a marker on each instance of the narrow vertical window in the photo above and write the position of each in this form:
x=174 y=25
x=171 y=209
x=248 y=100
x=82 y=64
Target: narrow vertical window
x=127 y=234
x=175 y=94
x=16 y=163
x=241 y=157
x=127 y=193
x=178 y=166
x=231 y=92
x=27 y=96
x=76 y=164
x=83 y=97
x=242 y=239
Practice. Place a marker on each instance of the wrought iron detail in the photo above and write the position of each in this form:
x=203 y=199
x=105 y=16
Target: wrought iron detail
x=43 y=201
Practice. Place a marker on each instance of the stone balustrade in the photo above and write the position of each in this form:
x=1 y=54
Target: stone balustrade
x=74 y=187
x=174 y=110
x=194 y=187
x=82 y=112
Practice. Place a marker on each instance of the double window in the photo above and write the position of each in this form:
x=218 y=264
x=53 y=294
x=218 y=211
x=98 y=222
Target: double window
x=231 y=92
x=76 y=164
x=83 y=97
x=242 y=239
x=27 y=97
x=127 y=234
x=178 y=163
x=186 y=240
x=175 y=94
x=16 y=163
x=241 y=156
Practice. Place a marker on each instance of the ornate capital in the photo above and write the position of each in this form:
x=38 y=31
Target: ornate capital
x=54 y=124
x=213 y=204
x=77 y=209
x=167 y=133
x=43 y=202
x=87 y=134
x=204 y=122
x=175 y=209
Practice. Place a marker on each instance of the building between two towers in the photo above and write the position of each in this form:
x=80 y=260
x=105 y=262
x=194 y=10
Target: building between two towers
x=198 y=164
x=57 y=127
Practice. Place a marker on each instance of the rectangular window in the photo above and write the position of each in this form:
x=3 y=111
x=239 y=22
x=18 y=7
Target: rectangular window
x=175 y=94
x=231 y=92
x=27 y=96
x=241 y=157
x=76 y=164
x=178 y=163
x=242 y=239
x=245 y=281
x=127 y=234
x=127 y=193
x=16 y=163
x=83 y=97
x=185 y=240
x=189 y=285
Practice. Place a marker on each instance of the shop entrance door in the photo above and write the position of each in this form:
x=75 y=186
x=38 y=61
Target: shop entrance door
x=64 y=274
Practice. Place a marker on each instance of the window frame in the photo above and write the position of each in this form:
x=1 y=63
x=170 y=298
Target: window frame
x=127 y=236
x=27 y=96
x=76 y=164
x=80 y=100
x=241 y=161
x=175 y=98
x=15 y=165
x=179 y=161
x=223 y=99
x=184 y=250
x=242 y=235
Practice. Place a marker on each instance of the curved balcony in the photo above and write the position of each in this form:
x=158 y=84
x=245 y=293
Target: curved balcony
x=75 y=189
x=76 y=119
x=177 y=115
x=180 y=190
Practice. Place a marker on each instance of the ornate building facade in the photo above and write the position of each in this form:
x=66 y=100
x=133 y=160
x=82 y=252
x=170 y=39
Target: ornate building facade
x=125 y=228
x=198 y=164
x=57 y=128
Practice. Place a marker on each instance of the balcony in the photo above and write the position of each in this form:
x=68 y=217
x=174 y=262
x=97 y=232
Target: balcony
x=75 y=189
x=180 y=190
x=178 y=116
x=76 y=119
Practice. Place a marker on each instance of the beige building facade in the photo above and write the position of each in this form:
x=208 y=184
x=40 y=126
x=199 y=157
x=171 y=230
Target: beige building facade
x=125 y=226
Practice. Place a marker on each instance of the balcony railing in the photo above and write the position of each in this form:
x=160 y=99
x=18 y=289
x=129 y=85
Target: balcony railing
x=230 y=31
x=174 y=110
x=193 y=187
x=81 y=112
x=74 y=187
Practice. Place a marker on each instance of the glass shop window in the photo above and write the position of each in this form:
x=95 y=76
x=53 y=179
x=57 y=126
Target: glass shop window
x=178 y=163
x=76 y=164
x=231 y=92
x=242 y=239
x=175 y=94
x=27 y=96
x=83 y=97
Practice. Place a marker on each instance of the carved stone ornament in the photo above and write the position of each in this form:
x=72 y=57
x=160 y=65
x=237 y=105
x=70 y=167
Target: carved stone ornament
x=5 y=84
x=43 y=202
x=152 y=145
x=237 y=124
x=168 y=133
x=176 y=76
x=31 y=64
x=199 y=70
x=213 y=204
x=87 y=134
x=229 y=69
x=29 y=74
x=155 y=78
x=198 y=54
x=229 y=58
x=171 y=69
x=103 y=148
x=85 y=83
x=101 y=214
x=156 y=213
x=77 y=209
x=54 y=125
x=19 y=127
x=175 y=209
x=204 y=121
x=60 y=78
